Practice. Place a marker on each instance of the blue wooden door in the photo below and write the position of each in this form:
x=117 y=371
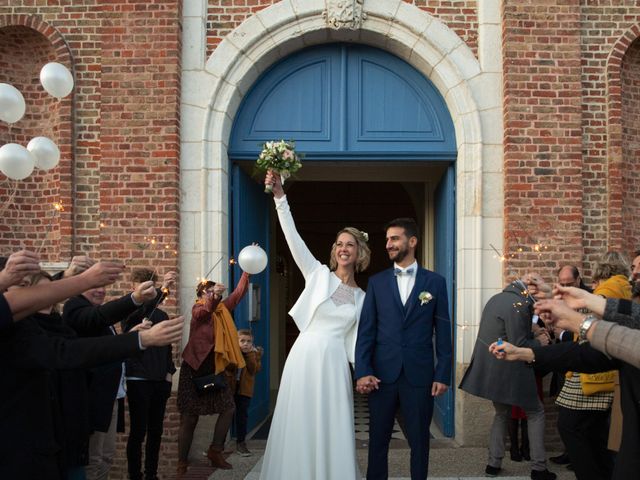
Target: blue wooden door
x=251 y=224
x=445 y=241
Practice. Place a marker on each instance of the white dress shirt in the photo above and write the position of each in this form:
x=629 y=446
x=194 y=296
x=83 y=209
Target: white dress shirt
x=406 y=281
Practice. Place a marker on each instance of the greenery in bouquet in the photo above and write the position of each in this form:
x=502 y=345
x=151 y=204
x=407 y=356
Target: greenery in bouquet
x=280 y=157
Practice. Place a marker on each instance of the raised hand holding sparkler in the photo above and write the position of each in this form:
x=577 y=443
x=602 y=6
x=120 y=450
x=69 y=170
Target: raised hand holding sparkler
x=78 y=264
x=19 y=265
x=168 y=282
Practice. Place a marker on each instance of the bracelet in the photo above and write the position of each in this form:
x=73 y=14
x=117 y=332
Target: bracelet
x=585 y=326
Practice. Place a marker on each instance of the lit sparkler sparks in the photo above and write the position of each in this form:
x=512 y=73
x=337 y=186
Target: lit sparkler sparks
x=58 y=207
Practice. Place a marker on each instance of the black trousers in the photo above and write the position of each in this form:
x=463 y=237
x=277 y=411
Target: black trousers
x=584 y=433
x=147 y=402
x=241 y=416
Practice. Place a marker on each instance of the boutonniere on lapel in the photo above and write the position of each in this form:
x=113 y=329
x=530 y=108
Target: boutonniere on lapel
x=425 y=297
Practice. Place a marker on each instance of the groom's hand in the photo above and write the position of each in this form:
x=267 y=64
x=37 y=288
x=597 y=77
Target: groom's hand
x=438 y=389
x=367 y=384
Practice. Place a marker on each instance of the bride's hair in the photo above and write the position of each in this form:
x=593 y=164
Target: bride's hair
x=364 y=253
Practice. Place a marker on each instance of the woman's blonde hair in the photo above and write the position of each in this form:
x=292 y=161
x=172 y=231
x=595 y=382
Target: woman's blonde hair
x=364 y=253
x=611 y=264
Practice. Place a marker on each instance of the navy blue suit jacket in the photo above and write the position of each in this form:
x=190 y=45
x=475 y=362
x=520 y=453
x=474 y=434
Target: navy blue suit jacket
x=393 y=337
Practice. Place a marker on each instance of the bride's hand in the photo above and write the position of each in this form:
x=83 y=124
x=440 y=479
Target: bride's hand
x=273 y=179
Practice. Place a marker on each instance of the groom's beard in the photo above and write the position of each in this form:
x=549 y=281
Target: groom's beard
x=398 y=255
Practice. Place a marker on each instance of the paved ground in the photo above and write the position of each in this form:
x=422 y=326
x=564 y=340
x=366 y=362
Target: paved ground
x=448 y=462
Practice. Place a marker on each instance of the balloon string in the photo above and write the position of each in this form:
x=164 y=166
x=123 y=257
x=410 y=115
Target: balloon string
x=13 y=189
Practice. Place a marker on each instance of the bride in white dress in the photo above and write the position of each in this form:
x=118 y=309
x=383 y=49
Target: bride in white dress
x=312 y=433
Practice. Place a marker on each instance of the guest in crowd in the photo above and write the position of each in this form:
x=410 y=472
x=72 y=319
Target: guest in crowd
x=244 y=390
x=611 y=280
x=89 y=317
x=148 y=381
x=568 y=276
x=509 y=315
x=212 y=350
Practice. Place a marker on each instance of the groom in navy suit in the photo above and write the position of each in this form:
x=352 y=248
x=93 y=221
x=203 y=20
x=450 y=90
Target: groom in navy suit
x=404 y=308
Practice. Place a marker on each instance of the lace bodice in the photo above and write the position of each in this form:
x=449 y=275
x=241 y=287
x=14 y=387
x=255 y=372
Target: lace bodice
x=343 y=295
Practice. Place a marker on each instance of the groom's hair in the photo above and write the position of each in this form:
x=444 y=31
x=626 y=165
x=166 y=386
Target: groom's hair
x=409 y=224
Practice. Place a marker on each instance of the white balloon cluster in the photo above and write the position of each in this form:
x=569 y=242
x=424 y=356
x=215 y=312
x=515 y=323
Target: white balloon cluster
x=16 y=161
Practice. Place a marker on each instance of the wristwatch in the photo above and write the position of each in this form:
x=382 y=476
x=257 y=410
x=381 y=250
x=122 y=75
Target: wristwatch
x=585 y=326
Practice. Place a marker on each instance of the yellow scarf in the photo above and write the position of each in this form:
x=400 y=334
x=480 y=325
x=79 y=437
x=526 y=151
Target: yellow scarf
x=226 y=349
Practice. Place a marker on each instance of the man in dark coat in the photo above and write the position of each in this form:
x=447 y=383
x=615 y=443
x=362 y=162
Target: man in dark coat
x=90 y=318
x=508 y=315
x=148 y=382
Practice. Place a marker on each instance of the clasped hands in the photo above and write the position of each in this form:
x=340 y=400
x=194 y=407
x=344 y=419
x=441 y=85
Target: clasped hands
x=369 y=383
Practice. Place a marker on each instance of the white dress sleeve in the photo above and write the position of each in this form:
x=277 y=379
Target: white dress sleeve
x=303 y=257
x=352 y=334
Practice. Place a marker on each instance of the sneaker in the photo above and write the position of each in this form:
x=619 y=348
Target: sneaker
x=542 y=475
x=561 y=459
x=490 y=471
x=242 y=450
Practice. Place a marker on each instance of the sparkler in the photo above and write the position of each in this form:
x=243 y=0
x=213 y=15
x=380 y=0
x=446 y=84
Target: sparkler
x=57 y=207
x=164 y=293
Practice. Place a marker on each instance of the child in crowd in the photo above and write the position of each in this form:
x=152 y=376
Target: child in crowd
x=244 y=390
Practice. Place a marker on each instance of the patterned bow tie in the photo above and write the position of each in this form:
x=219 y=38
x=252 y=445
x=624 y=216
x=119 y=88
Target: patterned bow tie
x=408 y=271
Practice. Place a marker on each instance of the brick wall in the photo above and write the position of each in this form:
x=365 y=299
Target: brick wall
x=607 y=32
x=543 y=136
x=564 y=171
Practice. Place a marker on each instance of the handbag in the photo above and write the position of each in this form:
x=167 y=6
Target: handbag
x=211 y=382
x=598 y=382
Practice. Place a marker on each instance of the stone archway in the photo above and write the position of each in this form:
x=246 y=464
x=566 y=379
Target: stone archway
x=213 y=91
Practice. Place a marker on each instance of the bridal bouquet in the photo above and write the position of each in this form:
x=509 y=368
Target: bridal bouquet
x=280 y=157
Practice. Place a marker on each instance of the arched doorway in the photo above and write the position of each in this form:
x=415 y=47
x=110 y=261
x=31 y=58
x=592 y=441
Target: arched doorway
x=363 y=118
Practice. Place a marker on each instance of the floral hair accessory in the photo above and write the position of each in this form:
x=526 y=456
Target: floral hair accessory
x=280 y=157
x=425 y=297
x=365 y=235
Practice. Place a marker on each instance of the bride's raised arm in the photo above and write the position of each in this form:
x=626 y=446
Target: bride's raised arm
x=303 y=257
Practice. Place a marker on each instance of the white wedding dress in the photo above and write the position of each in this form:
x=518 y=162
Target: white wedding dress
x=312 y=434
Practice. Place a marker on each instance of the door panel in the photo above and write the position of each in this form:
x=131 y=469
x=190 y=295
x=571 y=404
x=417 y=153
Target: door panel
x=251 y=224
x=445 y=212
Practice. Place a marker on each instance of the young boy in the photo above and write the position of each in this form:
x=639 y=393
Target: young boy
x=244 y=390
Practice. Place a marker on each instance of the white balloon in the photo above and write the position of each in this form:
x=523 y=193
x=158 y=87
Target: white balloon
x=252 y=259
x=11 y=103
x=45 y=152
x=56 y=79
x=16 y=162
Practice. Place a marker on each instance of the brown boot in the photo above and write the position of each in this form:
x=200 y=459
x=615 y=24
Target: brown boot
x=182 y=467
x=216 y=459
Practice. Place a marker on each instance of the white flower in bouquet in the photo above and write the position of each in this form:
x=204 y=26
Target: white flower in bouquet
x=279 y=157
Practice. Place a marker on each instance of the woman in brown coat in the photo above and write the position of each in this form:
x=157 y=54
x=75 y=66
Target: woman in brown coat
x=212 y=349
